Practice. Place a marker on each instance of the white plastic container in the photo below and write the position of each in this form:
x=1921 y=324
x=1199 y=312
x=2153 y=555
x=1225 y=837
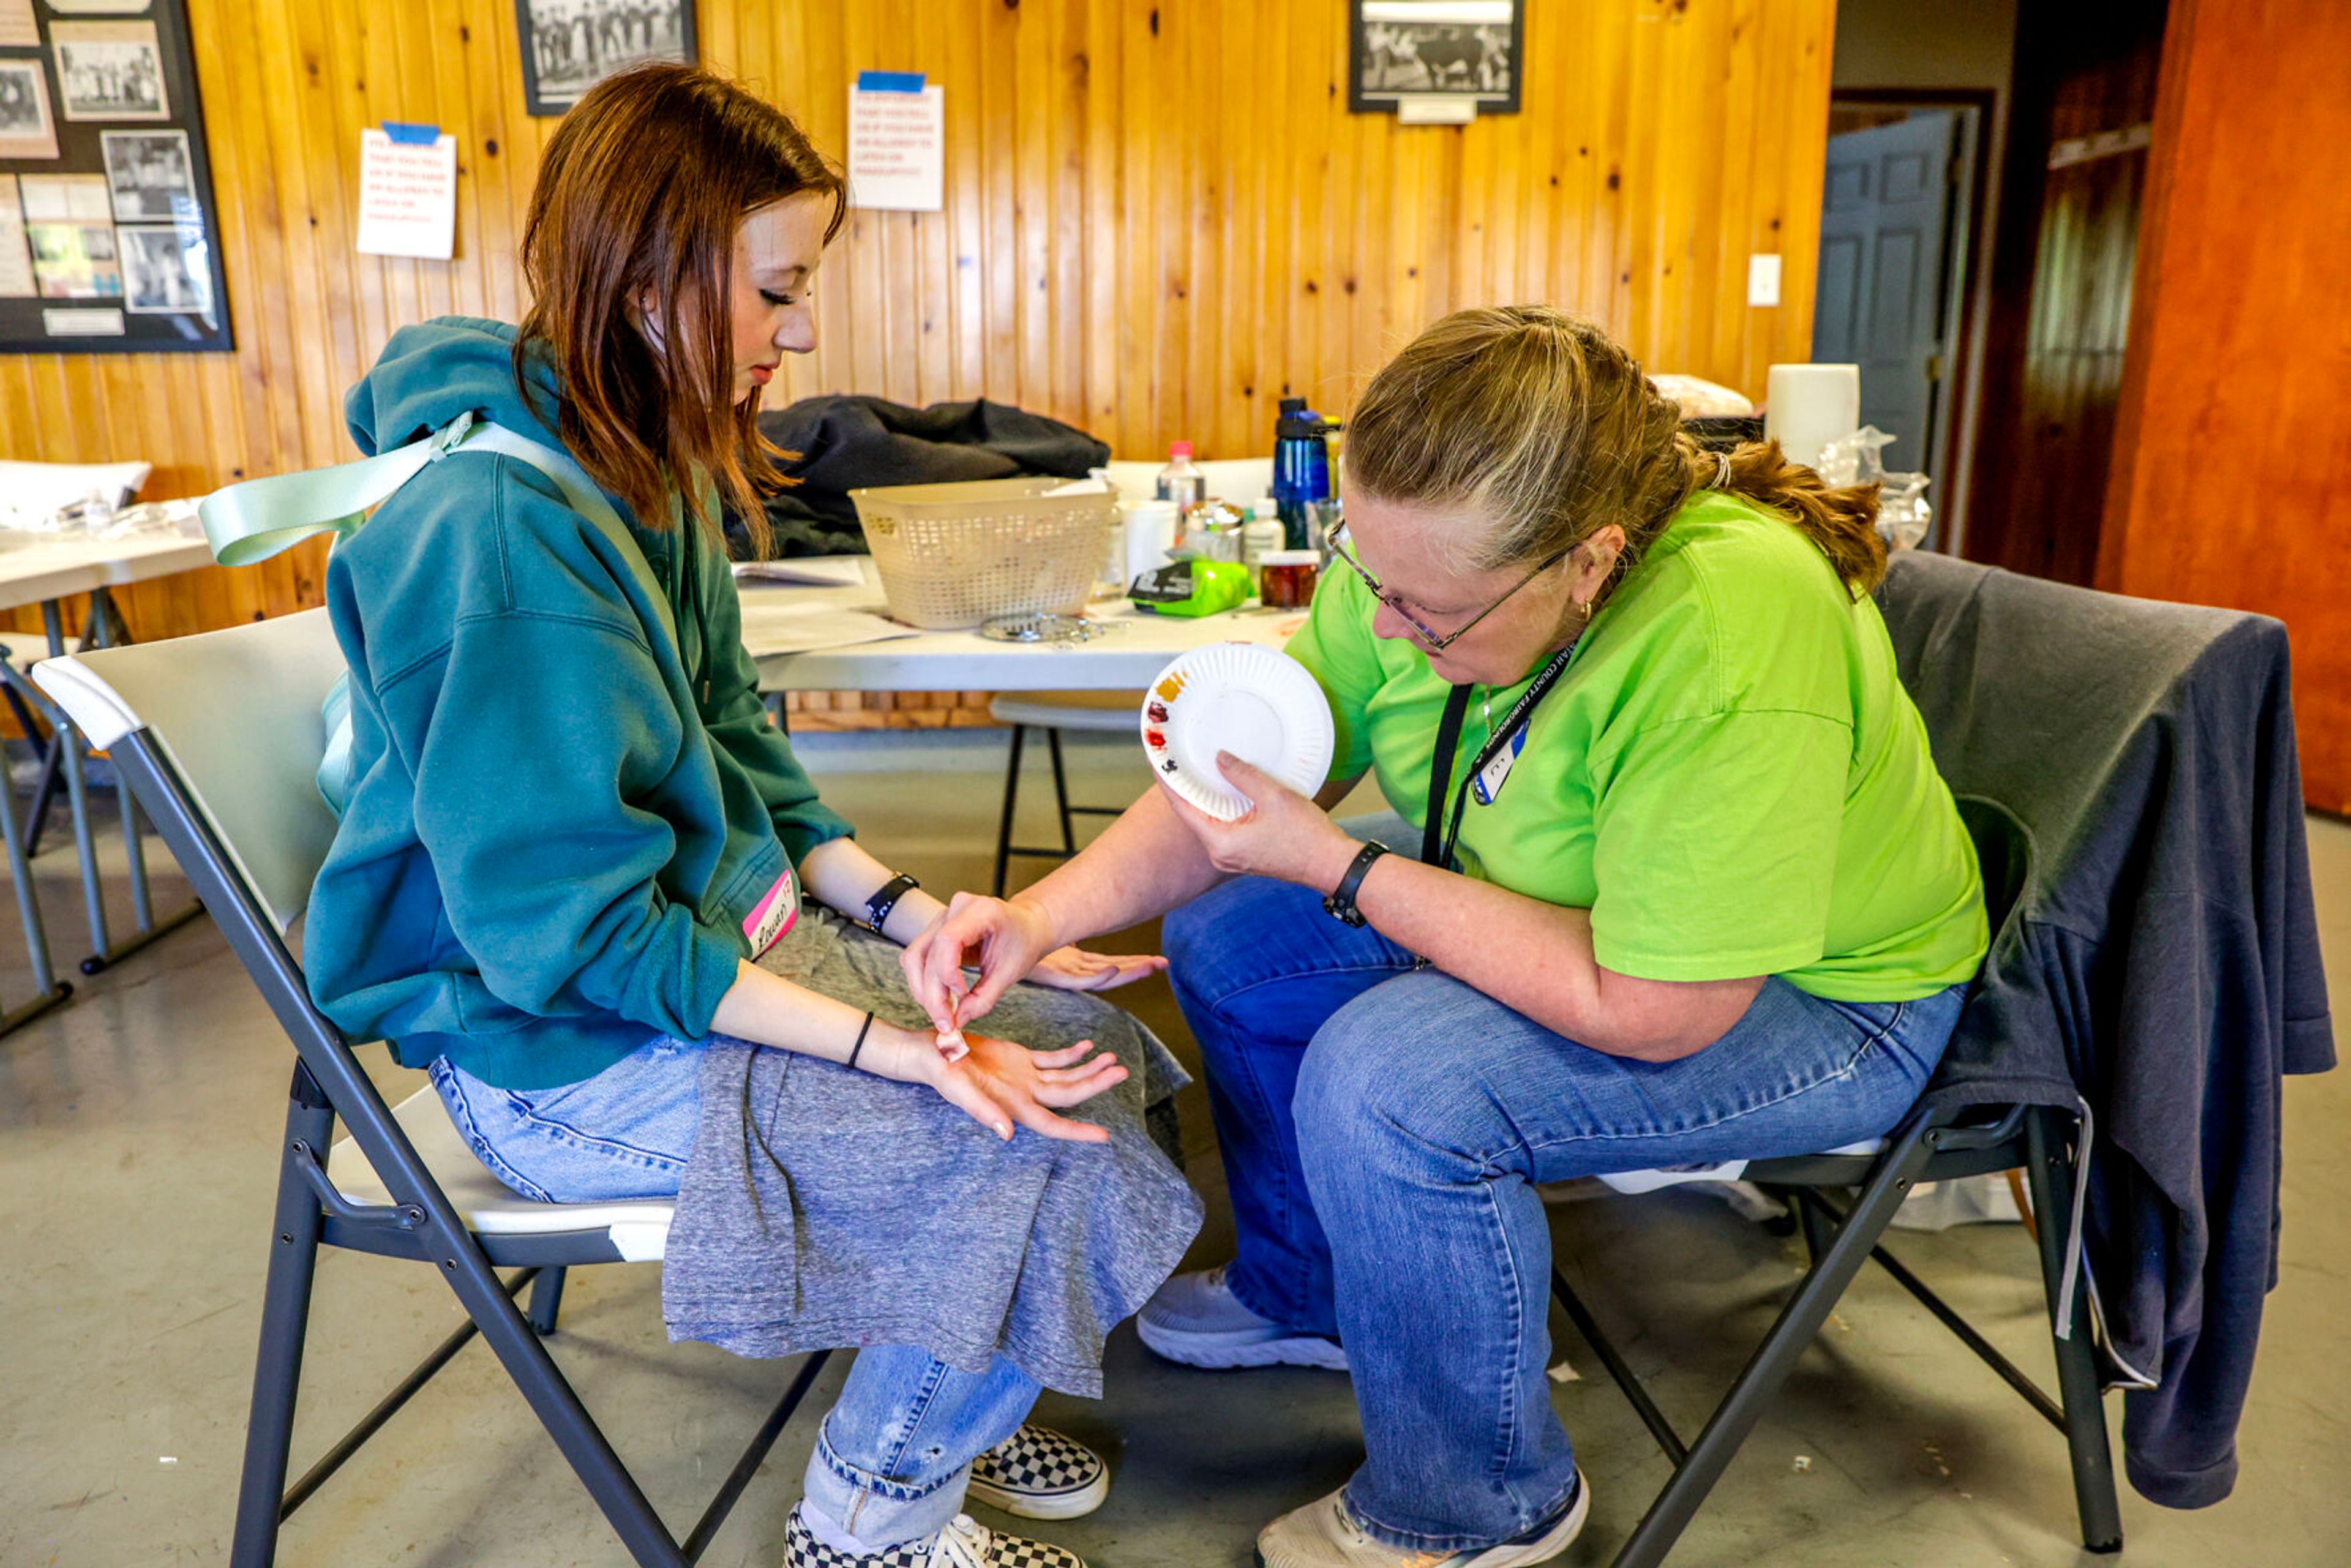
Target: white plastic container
x=1150 y=535
x=951 y=555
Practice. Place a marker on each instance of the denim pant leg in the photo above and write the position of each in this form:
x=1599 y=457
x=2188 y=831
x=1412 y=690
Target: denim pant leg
x=1427 y=1110
x=623 y=1134
x=894 y=1454
x=1258 y=966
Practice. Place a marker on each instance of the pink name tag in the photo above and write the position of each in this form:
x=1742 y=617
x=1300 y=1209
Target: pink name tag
x=774 y=914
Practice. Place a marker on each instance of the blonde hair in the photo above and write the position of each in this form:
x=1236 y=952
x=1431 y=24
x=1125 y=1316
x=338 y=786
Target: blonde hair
x=1541 y=423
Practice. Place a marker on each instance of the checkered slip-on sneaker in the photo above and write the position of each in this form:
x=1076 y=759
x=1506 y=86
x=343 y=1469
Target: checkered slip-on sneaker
x=962 y=1544
x=1040 y=1474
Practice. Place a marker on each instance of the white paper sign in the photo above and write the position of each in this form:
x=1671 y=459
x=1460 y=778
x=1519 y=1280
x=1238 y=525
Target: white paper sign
x=898 y=150
x=1763 y=279
x=408 y=197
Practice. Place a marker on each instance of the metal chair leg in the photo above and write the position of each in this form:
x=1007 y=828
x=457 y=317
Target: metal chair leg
x=285 y=1320
x=1819 y=1230
x=546 y=1300
x=1768 y=1368
x=1060 y=791
x=2050 y=1170
x=1011 y=798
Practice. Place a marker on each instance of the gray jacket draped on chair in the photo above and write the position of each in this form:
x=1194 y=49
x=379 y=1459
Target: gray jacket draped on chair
x=2164 y=963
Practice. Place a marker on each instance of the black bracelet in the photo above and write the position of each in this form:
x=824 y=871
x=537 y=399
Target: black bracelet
x=863 y=1032
x=886 y=899
x=1340 y=903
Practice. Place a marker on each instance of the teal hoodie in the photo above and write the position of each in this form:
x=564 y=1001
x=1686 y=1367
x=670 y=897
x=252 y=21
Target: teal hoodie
x=566 y=825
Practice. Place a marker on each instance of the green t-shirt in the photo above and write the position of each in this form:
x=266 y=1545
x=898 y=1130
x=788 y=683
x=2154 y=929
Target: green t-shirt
x=1729 y=775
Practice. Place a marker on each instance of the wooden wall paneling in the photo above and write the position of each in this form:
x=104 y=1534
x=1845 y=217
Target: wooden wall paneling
x=1137 y=238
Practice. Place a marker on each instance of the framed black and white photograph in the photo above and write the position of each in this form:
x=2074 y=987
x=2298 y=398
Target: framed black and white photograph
x=26 y=129
x=1436 y=59
x=165 y=270
x=111 y=244
x=150 y=176
x=110 y=70
x=569 y=46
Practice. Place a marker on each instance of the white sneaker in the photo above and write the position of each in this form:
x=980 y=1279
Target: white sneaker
x=1038 y=1473
x=1195 y=1319
x=964 y=1543
x=1326 y=1535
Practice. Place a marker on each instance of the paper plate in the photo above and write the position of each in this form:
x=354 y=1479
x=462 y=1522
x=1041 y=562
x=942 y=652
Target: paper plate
x=1241 y=697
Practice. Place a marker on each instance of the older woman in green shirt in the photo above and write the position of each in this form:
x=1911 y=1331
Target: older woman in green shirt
x=1678 y=883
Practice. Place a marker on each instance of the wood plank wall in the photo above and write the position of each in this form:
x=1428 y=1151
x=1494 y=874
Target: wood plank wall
x=2232 y=480
x=1160 y=218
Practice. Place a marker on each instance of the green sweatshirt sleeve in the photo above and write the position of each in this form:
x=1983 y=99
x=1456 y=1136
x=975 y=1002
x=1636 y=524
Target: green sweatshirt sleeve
x=539 y=733
x=737 y=721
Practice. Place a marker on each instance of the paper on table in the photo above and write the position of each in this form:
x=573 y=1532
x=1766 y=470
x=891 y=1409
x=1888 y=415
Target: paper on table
x=801 y=627
x=815 y=571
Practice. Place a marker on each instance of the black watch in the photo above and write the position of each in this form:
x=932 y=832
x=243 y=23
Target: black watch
x=1340 y=902
x=886 y=899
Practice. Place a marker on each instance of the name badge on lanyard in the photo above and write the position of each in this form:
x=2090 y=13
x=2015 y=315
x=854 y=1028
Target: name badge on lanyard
x=1488 y=785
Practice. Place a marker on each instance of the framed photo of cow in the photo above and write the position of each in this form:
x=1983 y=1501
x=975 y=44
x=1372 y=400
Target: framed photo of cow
x=1436 y=60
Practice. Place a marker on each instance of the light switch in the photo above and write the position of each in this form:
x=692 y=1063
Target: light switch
x=1763 y=279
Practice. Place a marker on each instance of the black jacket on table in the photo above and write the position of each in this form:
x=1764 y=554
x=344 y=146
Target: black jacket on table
x=845 y=443
x=2163 y=961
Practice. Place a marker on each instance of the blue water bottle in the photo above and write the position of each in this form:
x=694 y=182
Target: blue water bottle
x=1301 y=471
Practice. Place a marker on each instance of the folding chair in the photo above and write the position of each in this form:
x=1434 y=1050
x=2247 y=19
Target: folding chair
x=220 y=736
x=1931 y=1144
x=1111 y=712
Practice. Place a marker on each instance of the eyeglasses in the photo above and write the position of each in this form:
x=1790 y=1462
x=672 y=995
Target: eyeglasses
x=1436 y=641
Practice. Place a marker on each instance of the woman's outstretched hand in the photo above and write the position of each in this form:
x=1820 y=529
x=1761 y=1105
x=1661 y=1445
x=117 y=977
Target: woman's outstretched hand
x=1282 y=835
x=1002 y=1085
x=1082 y=969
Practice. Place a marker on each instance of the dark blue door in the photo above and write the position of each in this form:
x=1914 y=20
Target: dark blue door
x=1886 y=216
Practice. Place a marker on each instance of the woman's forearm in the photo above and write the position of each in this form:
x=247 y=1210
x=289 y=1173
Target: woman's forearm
x=840 y=874
x=1538 y=958
x=1143 y=864
x=767 y=1009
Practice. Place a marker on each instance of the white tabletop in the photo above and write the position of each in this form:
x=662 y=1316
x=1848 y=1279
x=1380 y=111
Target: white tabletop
x=59 y=566
x=1133 y=650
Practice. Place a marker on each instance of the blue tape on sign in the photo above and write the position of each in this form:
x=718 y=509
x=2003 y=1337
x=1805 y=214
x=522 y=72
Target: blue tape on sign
x=412 y=134
x=889 y=81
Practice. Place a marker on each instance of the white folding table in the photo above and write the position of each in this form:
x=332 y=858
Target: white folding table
x=47 y=571
x=1134 y=646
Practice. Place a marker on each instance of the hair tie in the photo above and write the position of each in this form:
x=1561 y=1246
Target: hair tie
x=1722 y=470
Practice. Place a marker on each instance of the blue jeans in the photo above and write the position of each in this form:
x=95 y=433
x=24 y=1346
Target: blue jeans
x=1383 y=1130
x=894 y=1455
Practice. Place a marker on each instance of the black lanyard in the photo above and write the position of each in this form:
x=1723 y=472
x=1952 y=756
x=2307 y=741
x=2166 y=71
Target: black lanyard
x=1438 y=852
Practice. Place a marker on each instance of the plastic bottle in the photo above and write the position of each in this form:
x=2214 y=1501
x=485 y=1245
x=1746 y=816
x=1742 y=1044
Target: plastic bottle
x=1261 y=533
x=1181 y=480
x=1302 y=470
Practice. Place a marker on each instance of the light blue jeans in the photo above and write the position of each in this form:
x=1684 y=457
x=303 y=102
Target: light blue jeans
x=895 y=1453
x=1383 y=1129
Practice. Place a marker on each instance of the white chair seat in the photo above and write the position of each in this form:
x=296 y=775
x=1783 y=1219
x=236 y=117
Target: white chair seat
x=640 y=1227
x=1727 y=1170
x=1110 y=713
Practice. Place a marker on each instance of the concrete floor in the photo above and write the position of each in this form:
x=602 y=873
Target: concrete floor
x=136 y=1161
